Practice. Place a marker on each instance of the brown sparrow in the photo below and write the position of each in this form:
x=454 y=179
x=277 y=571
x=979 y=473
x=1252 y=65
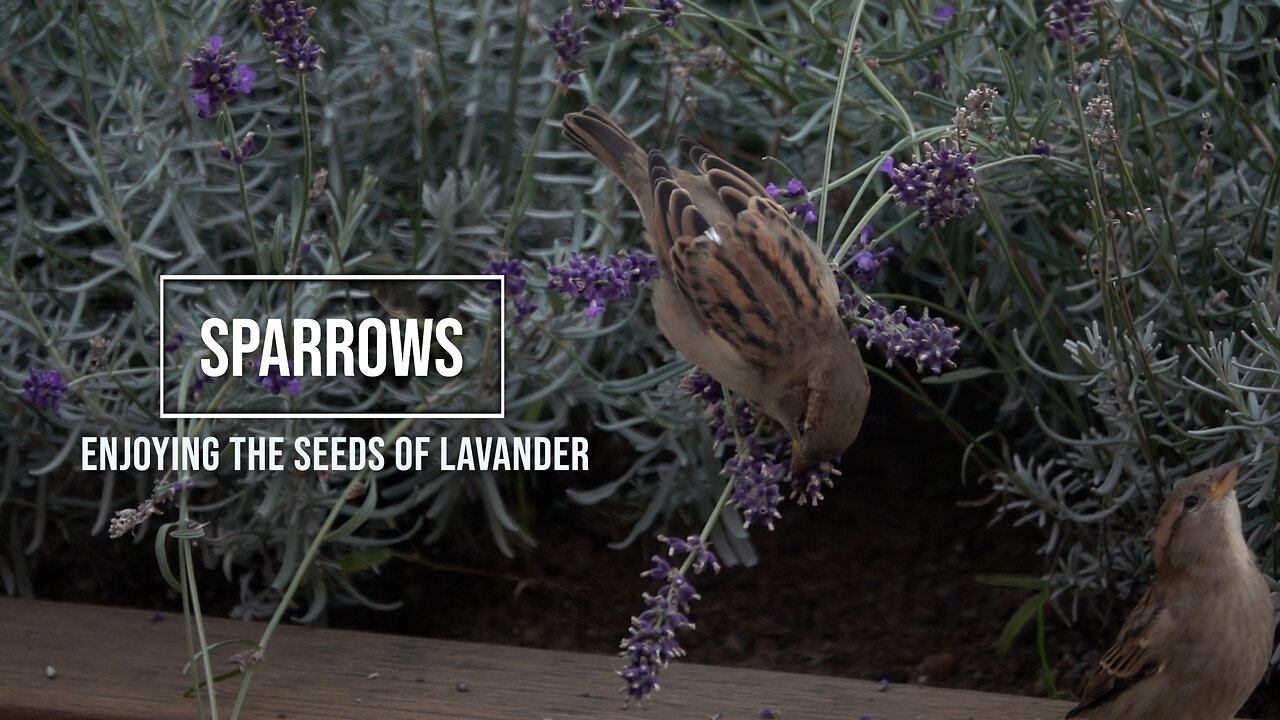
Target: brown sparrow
x=1200 y=638
x=744 y=294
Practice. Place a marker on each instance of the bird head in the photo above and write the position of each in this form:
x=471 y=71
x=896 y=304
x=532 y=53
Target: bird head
x=1200 y=521
x=833 y=402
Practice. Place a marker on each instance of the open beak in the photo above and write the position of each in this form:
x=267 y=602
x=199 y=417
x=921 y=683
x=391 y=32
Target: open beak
x=1223 y=479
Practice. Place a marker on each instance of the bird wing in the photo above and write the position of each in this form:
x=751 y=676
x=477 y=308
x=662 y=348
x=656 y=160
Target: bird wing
x=753 y=277
x=761 y=217
x=1133 y=656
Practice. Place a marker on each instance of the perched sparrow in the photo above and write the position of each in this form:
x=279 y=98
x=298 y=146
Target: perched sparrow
x=1200 y=638
x=744 y=294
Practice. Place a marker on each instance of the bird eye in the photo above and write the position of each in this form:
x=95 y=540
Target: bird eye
x=1190 y=502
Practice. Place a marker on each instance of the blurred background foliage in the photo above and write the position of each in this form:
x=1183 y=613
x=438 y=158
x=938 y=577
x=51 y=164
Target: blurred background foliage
x=1116 y=285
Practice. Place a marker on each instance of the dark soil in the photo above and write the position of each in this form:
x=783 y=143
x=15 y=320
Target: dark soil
x=879 y=581
x=878 y=577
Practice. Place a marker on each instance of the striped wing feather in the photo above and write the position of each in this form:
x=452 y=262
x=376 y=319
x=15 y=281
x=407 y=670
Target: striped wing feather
x=724 y=269
x=1130 y=658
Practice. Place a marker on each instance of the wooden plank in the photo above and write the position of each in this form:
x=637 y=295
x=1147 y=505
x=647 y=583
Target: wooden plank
x=115 y=663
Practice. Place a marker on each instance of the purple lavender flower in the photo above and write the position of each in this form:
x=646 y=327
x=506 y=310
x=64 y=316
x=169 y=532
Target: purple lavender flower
x=701 y=385
x=755 y=468
x=1067 y=19
x=568 y=43
x=175 y=342
x=933 y=80
x=651 y=642
x=616 y=8
x=275 y=381
x=597 y=281
x=288 y=23
x=862 y=264
x=803 y=62
x=755 y=474
x=803 y=208
x=882 y=329
x=512 y=272
x=945 y=12
x=197 y=384
x=241 y=152
x=524 y=308
x=933 y=343
x=738 y=420
x=941 y=185
x=758 y=464
x=668 y=11
x=928 y=341
x=218 y=77
x=693 y=545
x=807 y=489
x=1040 y=147
x=758 y=479
x=44 y=388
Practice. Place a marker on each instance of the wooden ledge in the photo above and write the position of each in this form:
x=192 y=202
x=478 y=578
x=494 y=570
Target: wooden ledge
x=117 y=663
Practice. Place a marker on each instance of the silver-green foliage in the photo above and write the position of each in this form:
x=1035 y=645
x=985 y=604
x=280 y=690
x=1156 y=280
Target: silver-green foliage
x=422 y=117
x=1147 y=347
x=1118 y=296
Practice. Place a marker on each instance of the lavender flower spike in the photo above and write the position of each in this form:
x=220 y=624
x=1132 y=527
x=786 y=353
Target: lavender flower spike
x=862 y=262
x=928 y=341
x=940 y=185
x=1067 y=19
x=597 y=281
x=275 y=381
x=288 y=24
x=804 y=207
x=218 y=76
x=568 y=44
x=651 y=642
x=512 y=272
x=668 y=11
x=44 y=388
x=616 y=8
x=755 y=473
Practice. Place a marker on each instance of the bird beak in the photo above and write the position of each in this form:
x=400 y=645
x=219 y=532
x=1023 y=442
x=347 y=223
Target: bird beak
x=1223 y=479
x=796 y=463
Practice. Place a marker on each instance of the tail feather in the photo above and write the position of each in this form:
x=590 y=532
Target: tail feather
x=594 y=131
x=721 y=173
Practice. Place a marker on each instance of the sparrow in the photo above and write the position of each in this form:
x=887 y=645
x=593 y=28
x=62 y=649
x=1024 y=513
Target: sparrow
x=744 y=294
x=1199 y=640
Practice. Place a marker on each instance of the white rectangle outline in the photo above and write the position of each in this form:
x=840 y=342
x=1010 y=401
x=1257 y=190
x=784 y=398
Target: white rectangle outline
x=502 y=351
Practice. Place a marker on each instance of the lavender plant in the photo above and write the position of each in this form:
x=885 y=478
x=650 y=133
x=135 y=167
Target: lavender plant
x=1116 y=286
x=205 y=166
x=1152 y=361
x=1081 y=196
